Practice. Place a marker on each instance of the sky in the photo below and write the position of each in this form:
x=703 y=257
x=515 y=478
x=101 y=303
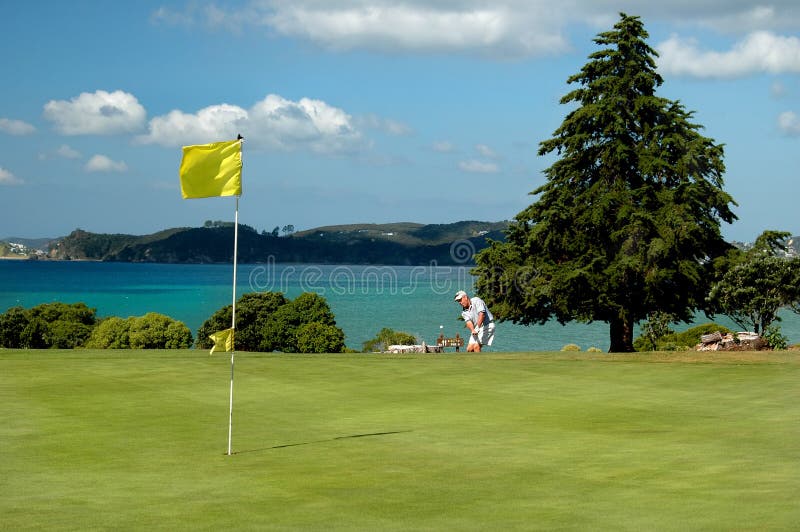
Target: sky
x=361 y=111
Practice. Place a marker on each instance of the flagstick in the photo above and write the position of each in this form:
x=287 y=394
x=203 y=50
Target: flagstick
x=233 y=319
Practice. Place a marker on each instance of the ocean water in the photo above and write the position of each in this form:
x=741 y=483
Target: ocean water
x=364 y=299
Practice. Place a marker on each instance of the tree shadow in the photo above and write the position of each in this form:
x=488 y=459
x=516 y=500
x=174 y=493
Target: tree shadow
x=337 y=438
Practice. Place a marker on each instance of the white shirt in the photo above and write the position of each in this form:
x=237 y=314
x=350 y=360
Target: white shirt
x=476 y=306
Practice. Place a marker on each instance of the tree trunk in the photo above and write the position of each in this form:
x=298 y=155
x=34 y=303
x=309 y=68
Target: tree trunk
x=621 y=332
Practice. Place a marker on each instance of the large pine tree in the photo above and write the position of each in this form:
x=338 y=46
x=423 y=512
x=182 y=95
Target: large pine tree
x=628 y=221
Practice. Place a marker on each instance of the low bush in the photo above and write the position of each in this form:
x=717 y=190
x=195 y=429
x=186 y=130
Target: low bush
x=387 y=337
x=267 y=321
x=111 y=333
x=773 y=336
x=679 y=341
x=316 y=337
x=49 y=325
x=151 y=331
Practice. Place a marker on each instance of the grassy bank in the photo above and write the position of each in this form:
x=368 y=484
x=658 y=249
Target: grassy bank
x=137 y=440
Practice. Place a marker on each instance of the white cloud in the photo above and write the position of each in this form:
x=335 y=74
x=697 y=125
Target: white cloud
x=485 y=151
x=499 y=29
x=737 y=16
x=396 y=128
x=443 y=146
x=7 y=178
x=101 y=163
x=789 y=123
x=757 y=52
x=392 y=127
x=98 y=113
x=15 y=127
x=493 y=28
x=285 y=124
x=273 y=123
x=67 y=152
x=746 y=19
x=777 y=89
x=505 y=28
x=726 y=16
x=171 y=17
x=478 y=167
x=213 y=123
x=194 y=13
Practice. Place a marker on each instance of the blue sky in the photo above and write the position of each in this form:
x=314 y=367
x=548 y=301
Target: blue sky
x=360 y=111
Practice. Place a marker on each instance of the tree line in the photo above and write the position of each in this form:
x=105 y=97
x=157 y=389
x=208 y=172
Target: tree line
x=72 y=325
x=264 y=322
x=214 y=244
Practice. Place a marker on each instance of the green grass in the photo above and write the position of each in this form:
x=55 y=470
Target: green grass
x=136 y=440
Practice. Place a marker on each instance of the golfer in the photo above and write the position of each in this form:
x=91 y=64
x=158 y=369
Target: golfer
x=478 y=319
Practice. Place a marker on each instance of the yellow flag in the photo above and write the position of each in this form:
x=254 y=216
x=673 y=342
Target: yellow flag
x=210 y=170
x=223 y=341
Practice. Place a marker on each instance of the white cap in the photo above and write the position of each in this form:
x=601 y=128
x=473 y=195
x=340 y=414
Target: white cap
x=459 y=295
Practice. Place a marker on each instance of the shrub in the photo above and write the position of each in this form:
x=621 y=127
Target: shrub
x=281 y=330
x=656 y=326
x=571 y=347
x=178 y=336
x=156 y=331
x=691 y=337
x=74 y=312
x=773 y=336
x=253 y=310
x=267 y=321
x=387 y=337
x=65 y=326
x=594 y=350
x=316 y=337
x=33 y=335
x=64 y=334
x=151 y=331
x=111 y=333
x=12 y=323
x=56 y=325
x=679 y=341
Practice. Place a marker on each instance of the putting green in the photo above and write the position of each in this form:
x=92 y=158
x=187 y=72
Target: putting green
x=137 y=440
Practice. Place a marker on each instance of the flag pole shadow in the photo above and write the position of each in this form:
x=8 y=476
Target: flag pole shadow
x=337 y=438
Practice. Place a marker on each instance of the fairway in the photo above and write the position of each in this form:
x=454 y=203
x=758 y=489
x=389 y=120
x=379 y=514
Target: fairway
x=136 y=440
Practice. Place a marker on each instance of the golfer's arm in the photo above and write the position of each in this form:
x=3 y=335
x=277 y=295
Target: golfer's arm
x=479 y=321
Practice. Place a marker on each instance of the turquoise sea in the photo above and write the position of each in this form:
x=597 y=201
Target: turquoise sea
x=364 y=299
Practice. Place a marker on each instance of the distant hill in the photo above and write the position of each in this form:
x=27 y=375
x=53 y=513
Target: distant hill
x=395 y=244
x=402 y=243
x=24 y=248
x=406 y=233
x=30 y=243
